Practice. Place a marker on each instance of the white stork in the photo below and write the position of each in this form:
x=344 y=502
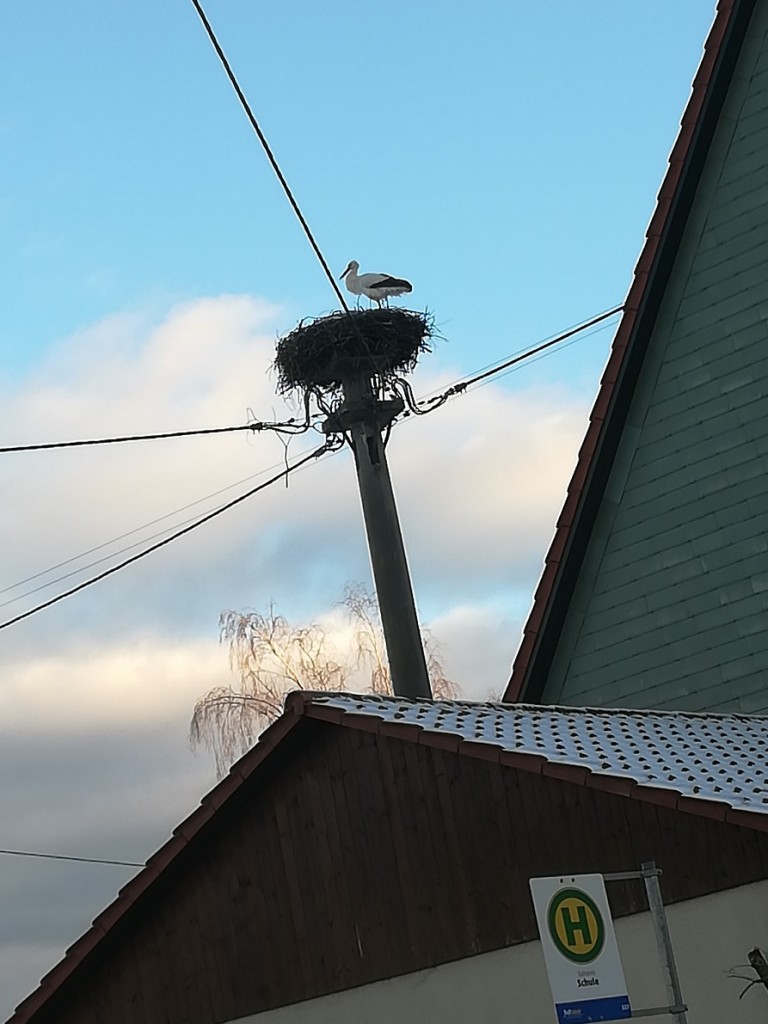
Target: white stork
x=375 y=286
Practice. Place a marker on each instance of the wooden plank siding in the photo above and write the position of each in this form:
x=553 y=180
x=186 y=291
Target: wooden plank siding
x=350 y=857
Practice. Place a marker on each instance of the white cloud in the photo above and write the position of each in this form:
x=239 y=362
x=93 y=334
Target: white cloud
x=478 y=482
x=481 y=481
x=475 y=641
x=136 y=682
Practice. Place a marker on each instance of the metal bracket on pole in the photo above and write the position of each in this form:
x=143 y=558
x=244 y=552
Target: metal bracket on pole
x=626 y=876
x=649 y=872
x=382 y=413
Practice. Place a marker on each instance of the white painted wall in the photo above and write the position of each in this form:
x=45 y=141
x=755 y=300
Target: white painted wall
x=509 y=986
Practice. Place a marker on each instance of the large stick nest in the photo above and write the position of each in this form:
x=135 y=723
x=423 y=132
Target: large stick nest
x=319 y=354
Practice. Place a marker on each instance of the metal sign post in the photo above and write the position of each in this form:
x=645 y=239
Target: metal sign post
x=677 y=1008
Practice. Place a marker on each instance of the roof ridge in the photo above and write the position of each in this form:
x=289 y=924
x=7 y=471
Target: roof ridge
x=309 y=697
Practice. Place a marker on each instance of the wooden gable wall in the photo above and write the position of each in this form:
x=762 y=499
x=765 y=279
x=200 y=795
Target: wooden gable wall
x=670 y=606
x=351 y=857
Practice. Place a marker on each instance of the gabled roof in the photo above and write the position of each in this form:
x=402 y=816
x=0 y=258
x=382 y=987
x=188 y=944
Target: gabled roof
x=608 y=416
x=703 y=764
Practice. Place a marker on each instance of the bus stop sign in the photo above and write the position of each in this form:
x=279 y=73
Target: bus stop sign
x=580 y=951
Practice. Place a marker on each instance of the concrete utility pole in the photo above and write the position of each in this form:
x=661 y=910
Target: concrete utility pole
x=335 y=360
x=362 y=417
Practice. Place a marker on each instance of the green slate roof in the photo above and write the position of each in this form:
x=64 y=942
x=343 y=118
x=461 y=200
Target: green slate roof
x=655 y=590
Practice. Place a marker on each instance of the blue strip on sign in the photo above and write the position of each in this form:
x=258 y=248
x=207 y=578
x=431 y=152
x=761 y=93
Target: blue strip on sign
x=586 y=1010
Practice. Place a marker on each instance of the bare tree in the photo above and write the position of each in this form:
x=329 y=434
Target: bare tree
x=272 y=656
x=370 y=653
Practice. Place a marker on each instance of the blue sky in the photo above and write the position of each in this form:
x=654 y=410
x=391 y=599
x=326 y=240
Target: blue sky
x=503 y=157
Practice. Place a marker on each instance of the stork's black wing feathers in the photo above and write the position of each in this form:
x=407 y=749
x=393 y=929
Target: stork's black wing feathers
x=393 y=282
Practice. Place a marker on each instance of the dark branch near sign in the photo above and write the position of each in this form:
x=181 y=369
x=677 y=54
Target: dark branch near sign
x=759 y=964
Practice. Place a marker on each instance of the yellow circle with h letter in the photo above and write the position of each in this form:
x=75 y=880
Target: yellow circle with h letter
x=576 y=925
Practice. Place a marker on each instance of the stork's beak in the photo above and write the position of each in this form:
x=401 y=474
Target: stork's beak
x=346 y=271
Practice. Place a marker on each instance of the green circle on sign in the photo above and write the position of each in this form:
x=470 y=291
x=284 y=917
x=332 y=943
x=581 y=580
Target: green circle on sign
x=576 y=925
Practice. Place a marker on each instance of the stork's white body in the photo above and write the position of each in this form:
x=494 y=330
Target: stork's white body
x=377 y=287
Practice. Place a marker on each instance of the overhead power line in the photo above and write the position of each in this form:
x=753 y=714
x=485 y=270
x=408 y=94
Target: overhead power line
x=267 y=149
x=77 y=860
x=291 y=426
x=427 y=404
x=329 y=446
x=129 y=533
x=287 y=427
x=88 y=565
x=540 y=348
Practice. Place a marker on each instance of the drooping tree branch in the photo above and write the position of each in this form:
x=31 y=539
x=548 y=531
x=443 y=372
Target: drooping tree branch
x=272 y=656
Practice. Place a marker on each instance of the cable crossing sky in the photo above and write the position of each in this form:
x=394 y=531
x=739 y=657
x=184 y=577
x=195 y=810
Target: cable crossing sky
x=413 y=406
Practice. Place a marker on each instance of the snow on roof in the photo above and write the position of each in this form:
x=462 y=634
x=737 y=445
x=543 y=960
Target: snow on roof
x=707 y=756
